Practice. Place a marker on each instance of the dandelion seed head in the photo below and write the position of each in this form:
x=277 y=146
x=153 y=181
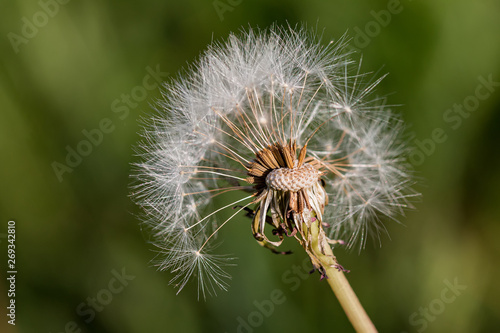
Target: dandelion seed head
x=288 y=123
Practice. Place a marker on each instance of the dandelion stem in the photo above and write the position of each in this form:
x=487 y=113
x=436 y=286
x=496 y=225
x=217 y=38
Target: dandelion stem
x=341 y=287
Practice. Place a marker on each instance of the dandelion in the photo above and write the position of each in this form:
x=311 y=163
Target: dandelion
x=290 y=123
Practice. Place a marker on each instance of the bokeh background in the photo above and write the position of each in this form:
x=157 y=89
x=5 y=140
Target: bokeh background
x=67 y=68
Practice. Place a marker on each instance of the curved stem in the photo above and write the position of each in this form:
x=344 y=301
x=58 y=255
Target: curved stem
x=341 y=287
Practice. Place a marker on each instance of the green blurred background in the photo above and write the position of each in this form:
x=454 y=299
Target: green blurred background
x=70 y=72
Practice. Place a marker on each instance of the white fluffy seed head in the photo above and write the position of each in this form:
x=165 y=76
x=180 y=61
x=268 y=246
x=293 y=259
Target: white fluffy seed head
x=248 y=93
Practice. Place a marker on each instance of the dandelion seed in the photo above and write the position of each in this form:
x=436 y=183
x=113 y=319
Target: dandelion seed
x=277 y=114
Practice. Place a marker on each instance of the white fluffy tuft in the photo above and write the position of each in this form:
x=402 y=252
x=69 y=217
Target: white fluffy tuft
x=241 y=96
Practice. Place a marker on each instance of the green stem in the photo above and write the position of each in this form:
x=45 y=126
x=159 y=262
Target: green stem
x=341 y=287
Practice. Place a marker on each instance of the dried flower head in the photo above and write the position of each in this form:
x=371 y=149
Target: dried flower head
x=278 y=115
